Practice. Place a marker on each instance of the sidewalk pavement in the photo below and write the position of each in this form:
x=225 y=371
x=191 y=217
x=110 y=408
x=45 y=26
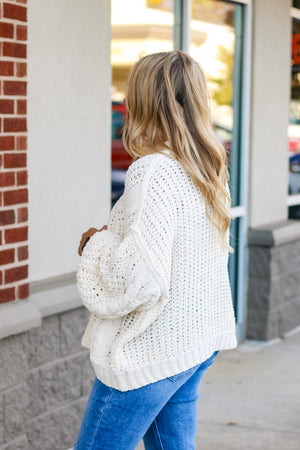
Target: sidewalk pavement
x=250 y=398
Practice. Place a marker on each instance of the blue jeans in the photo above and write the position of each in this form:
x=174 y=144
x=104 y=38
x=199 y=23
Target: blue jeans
x=163 y=414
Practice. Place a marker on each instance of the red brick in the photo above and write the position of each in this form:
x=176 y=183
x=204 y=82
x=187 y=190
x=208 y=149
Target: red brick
x=23 y=291
x=15 y=87
x=21 y=107
x=15 y=196
x=22 y=177
x=14 y=49
x=15 y=12
x=16 y=235
x=21 y=1
x=22 y=214
x=7 y=179
x=6 y=106
x=21 y=69
x=21 y=142
x=15 y=124
x=7 y=217
x=7 y=256
x=14 y=159
x=16 y=274
x=6 y=295
x=7 y=142
x=6 y=68
x=6 y=30
x=21 y=32
x=1 y=277
x=23 y=253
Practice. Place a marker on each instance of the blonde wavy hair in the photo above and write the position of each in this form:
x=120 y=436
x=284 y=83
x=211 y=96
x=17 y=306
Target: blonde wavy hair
x=167 y=101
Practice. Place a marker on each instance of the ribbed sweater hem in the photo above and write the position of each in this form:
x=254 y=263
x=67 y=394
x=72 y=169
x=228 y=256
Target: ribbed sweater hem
x=142 y=376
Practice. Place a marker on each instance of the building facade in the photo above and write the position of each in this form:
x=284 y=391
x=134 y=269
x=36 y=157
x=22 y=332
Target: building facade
x=62 y=64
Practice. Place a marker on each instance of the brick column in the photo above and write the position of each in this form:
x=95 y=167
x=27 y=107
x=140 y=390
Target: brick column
x=13 y=158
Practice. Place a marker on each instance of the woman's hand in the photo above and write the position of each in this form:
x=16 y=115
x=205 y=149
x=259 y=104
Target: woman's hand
x=89 y=233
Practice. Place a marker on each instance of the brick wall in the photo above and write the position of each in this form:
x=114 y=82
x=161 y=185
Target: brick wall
x=13 y=151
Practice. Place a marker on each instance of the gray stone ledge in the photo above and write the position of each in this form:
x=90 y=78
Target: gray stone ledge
x=52 y=283
x=274 y=234
x=47 y=297
x=56 y=300
x=19 y=316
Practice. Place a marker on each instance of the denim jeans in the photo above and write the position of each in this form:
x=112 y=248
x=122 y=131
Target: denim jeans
x=163 y=414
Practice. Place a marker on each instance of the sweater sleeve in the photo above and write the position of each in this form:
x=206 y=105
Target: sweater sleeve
x=122 y=273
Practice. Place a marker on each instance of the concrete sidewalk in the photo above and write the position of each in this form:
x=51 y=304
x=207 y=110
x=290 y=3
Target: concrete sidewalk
x=250 y=398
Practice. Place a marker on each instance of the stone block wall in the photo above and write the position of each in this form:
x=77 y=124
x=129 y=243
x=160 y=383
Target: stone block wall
x=45 y=380
x=274 y=281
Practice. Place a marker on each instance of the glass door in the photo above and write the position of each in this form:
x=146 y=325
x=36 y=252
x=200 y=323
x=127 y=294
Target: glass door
x=213 y=32
x=216 y=32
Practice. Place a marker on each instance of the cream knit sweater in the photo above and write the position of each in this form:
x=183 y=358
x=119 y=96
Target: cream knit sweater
x=156 y=281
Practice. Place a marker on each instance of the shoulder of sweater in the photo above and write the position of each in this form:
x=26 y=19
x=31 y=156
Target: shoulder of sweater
x=150 y=173
x=145 y=163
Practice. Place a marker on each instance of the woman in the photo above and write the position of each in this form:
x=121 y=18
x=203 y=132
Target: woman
x=155 y=279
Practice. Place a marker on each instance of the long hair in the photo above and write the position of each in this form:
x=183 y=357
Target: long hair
x=167 y=100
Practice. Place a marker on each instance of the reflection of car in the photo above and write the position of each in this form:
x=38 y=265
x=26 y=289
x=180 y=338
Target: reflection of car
x=294 y=174
x=117 y=184
x=294 y=183
x=121 y=160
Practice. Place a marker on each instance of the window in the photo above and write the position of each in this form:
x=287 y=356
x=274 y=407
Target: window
x=215 y=44
x=216 y=30
x=139 y=27
x=212 y=31
x=294 y=124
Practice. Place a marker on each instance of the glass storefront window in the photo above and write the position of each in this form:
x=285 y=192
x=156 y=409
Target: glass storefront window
x=139 y=27
x=294 y=122
x=216 y=44
x=215 y=40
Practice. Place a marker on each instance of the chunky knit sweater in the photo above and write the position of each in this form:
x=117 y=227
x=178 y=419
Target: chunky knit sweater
x=156 y=281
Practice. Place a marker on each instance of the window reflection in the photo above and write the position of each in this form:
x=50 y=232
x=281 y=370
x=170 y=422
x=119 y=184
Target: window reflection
x=139 y=27
x=216 y=44
x=213 y=45
x=294 y=125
